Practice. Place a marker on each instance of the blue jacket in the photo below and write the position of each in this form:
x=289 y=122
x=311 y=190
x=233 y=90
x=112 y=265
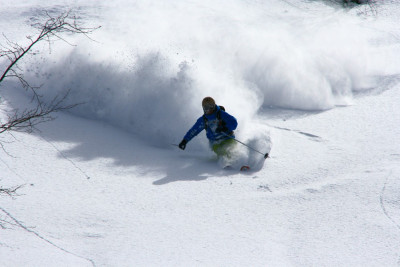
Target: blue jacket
x=211 y=122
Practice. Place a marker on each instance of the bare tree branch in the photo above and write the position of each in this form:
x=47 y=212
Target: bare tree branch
x=52 y=29
x=11 y=192
x=48 y=30
x=26 y=120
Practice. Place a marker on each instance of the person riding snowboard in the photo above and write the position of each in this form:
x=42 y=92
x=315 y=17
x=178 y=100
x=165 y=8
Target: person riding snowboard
x=219 y=126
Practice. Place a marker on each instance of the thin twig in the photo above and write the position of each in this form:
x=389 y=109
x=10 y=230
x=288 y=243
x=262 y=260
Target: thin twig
x=50 y=30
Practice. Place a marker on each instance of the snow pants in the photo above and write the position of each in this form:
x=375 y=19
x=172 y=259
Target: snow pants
x=225 y=148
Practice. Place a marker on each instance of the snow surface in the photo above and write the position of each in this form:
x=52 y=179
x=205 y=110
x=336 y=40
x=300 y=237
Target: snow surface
x=104 y=187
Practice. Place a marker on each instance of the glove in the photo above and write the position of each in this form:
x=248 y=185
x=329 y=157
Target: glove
x=182 y=145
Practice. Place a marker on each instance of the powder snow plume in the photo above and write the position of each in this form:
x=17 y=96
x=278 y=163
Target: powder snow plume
x=150 y=66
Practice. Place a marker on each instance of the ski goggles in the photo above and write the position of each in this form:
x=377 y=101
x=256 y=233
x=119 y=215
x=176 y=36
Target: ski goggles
x=208 y=108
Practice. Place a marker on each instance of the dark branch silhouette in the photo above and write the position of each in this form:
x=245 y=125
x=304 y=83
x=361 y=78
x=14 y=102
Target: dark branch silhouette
x=26 y=120
x=52 y=29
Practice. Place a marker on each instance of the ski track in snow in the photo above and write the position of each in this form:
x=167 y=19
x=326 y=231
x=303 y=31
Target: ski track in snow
x=311 y=136
x=384 y=209
x=382 y=201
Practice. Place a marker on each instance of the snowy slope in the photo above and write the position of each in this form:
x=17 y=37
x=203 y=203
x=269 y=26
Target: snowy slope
x=104 y=187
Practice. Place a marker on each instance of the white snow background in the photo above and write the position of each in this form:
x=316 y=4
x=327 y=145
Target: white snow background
x=103 y=186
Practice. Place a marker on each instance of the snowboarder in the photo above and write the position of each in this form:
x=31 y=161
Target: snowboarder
x=219 y=126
